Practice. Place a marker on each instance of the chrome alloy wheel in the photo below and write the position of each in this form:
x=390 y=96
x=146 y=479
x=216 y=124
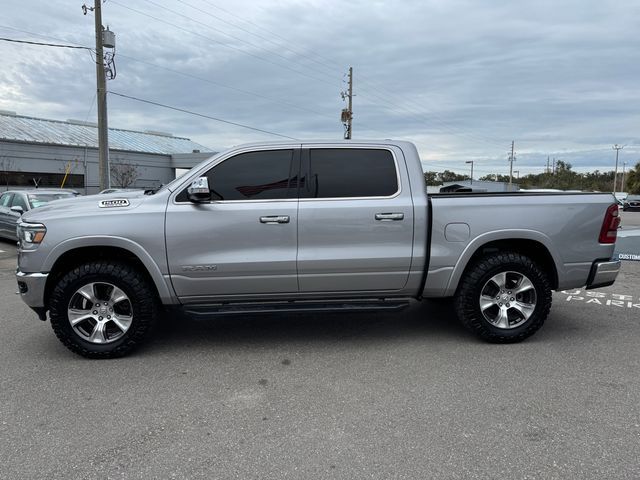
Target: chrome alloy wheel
x=507 y=300
x=100 y=312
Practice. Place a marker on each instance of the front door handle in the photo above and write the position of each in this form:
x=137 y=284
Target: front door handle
x=387 y=217
x=272 y=219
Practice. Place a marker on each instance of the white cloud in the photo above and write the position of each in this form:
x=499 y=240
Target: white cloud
x=461 y=78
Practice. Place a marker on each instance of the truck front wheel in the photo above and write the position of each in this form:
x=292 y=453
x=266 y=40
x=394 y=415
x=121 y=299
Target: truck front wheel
x=503 y=298
x=102 y=309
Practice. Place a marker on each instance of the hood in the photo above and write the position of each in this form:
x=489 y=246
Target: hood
x=89 y=204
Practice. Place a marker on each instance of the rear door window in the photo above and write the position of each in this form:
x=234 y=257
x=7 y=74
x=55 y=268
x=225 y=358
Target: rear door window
x=349 y=172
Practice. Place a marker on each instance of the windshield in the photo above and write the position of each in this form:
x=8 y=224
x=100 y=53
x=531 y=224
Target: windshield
x=635 y=198
x=39 y=199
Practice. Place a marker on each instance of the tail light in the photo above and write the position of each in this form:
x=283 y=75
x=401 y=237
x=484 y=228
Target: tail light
x=609 y=230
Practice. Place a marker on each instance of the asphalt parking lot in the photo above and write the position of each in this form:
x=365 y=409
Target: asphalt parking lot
x=406 y=395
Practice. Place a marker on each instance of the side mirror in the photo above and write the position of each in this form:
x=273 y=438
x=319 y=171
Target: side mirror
x=18 y=209
x=199 y=191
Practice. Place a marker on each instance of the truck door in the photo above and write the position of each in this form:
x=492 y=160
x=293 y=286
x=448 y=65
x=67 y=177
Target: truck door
x=244 y=241
x=355 y=220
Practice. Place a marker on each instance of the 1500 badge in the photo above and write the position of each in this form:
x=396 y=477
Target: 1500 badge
x=117 y=202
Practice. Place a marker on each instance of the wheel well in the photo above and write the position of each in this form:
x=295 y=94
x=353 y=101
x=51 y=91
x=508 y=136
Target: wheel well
x=76 y=257
x=532 y=249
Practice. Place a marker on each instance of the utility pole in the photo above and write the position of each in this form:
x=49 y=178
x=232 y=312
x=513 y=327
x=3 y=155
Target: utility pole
x=547 y=165
x=347 y=113
x=103 y=126
x=624 y=166
x=617 y=148
x=512 y=159
x=517 y=172
x=471 y=162
x=101 y=96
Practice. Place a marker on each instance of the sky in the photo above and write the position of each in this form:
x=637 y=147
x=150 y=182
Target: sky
x=462 y=79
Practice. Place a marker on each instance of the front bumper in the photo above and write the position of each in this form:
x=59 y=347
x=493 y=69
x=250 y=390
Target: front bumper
x=31 y=290
x=603 y=273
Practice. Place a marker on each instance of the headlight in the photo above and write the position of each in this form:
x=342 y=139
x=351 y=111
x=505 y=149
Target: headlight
x=31 y=233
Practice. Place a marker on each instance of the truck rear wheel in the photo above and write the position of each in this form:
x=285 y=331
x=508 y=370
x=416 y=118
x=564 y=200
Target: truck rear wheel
x=102 y=309
x=504 y=297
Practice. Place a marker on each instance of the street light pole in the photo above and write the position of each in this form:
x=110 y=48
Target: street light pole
x=471 y=162
x=617 y=148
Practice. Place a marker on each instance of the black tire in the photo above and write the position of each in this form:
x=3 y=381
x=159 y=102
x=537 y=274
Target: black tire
x=142 y=304
x=478 y=278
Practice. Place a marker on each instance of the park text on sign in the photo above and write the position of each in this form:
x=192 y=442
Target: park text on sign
x=602 y=298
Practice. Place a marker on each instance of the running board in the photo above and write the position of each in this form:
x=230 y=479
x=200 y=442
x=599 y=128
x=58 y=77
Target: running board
x=216 y=309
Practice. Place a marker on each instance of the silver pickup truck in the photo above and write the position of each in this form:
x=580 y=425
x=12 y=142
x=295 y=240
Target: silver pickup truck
x=324 y=226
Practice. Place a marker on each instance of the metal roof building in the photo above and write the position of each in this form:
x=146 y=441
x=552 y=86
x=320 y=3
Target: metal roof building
x=41 y=152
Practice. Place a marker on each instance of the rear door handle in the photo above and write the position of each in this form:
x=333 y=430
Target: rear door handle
x=271 y=219
x=387 y=217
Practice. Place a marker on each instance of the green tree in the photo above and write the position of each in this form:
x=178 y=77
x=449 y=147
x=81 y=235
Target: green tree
x=633 y=180
x=564 y=178
x=431 y=178
x=494 y=177
x=449 y=176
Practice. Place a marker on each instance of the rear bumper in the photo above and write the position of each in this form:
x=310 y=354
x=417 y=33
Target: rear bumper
x=603 y=273
x=31 y=290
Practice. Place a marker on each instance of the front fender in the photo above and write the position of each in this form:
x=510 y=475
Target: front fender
x=165 y=292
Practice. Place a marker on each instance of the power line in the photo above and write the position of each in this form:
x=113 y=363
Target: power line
x=72 y=44
x=239 y=39
x=285 y=46
x=381 y=97
x=6 y=27
x=431 y=120
x=213 y=82
x=495 y=142
x=286 y=41
x=332 y=67
x=240 y=90
x=185 y=74
x=93 y=102
x=248 y=92
x=385 y=94
x=44 y=44
x=157 y=104
x=262 y=59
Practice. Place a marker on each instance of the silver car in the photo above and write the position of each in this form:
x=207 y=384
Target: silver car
x=13 y=203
